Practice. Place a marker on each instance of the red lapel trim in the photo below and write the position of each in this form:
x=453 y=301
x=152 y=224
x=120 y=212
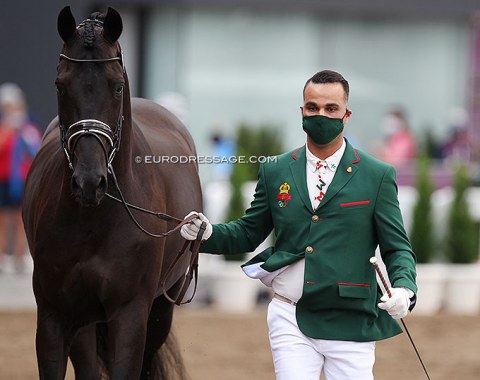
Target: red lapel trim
x=294 y=154
x=358 y=157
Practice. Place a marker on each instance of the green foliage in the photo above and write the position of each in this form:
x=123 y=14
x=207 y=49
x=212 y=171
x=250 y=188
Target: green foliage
x=252 y=141
x=461 y=241
x=421 y=235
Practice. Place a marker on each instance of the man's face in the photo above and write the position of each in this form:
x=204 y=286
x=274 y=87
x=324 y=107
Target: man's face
x=326 y=99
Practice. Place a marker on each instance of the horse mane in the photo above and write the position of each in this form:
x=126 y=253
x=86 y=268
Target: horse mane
x=88 y=35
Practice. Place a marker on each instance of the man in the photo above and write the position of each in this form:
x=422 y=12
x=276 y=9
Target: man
x=330 y=206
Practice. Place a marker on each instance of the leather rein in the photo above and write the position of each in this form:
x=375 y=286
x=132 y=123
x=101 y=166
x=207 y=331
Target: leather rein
x=192 y=245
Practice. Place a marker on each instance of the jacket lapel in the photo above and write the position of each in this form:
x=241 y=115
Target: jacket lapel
x=298 y=168
x=345 y=172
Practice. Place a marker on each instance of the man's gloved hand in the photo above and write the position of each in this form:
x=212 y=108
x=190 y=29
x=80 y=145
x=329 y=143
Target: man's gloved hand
x=397 y=305
x=190 y=230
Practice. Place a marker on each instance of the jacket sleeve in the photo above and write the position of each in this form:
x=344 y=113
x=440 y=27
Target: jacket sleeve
x=244 y=234
x=394 y=244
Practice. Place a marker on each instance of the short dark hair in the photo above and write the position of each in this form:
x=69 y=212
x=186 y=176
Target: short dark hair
x=329 y=76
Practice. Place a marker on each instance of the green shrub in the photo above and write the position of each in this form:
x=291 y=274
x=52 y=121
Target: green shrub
x=252 y=141
x=421 y=235
x=461 y=241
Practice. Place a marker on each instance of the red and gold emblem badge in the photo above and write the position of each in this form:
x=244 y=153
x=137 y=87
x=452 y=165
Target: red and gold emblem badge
x=283 y=197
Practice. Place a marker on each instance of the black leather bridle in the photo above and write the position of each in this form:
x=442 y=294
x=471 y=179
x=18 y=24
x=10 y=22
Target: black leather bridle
x=93 y=127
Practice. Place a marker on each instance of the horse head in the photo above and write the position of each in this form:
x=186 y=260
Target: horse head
x=92 y=87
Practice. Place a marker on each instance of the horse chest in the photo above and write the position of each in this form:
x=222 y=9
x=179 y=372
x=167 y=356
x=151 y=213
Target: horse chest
x=86 y=287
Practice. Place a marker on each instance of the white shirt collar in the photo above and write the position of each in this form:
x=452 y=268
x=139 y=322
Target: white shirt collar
x=332 y=162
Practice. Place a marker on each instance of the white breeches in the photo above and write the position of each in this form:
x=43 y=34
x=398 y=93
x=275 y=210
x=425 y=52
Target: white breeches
x=296 y=356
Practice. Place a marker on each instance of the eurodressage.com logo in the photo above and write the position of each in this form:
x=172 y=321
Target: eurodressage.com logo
x=209 y=160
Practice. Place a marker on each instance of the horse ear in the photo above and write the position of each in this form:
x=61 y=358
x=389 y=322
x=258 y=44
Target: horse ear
x=112 y=25
x=66 y=24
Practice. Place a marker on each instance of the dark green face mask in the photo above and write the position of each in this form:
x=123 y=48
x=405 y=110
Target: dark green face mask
x=321 y=129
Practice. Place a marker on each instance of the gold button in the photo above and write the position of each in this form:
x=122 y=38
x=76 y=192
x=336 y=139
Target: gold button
x=309 y=249
x=315 y=218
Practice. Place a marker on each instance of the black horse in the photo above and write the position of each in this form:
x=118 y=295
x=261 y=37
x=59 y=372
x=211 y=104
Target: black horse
x=98 y=280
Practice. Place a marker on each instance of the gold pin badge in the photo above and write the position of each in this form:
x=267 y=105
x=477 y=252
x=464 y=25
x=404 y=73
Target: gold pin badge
x=349 y=169
x=283 y=197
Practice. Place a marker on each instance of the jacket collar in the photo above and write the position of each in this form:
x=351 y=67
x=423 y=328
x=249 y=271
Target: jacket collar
x=347 y=168
x=330 y=162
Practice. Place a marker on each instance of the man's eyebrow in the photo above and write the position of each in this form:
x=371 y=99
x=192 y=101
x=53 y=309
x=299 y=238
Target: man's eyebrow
x=332 y=105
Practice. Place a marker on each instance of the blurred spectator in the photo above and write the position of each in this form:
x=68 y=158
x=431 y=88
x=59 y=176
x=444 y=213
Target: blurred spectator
x=19 y=141
x=218 y=190
x=399 y=146
x=457 y=146
x=223 y=149
x=432 y=147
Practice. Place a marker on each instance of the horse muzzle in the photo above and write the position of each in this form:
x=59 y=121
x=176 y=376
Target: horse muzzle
x=89 y=188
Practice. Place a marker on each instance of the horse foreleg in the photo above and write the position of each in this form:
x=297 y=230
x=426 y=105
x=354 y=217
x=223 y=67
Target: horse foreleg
x=83 y=354
x=52 y=345
x=159 y=324
x=126 y=341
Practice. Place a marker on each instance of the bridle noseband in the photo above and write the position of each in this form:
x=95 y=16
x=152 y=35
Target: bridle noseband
x=93 y=127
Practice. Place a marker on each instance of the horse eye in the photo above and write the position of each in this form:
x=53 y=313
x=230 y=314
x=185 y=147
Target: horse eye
x=119 y=89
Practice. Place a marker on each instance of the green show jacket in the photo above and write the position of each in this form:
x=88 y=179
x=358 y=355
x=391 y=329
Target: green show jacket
x=359 y=212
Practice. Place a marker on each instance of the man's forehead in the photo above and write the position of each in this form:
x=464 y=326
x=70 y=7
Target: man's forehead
x=333 y=92
x=336 y=86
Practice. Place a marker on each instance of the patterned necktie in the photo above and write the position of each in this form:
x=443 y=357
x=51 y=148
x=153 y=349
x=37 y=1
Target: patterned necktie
x=321 y=169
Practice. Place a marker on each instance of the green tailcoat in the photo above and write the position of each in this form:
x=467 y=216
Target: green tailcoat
x=359 y=212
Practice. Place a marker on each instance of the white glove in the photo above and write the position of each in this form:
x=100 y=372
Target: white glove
x=190 y=230
x=397 y=305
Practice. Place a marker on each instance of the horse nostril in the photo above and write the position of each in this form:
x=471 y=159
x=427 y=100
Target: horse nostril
x=89 y=188
x=76 y=188
x=102 y=186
